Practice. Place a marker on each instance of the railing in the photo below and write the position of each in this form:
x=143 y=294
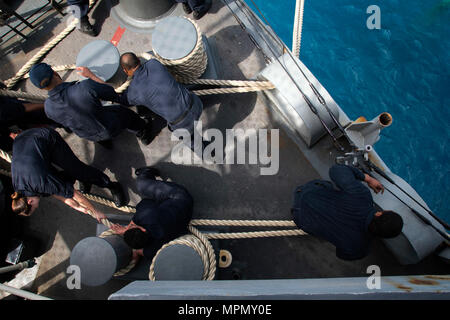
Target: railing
x=26 y=19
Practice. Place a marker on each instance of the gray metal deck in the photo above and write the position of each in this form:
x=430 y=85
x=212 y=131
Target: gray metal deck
x=219 y=191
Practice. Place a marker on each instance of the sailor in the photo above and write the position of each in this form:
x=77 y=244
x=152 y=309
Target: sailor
x=36 y=152
x=161 y=216
x=347 y=216
x=78 y=106
x=200 y=7
x=154 y=87
x=79 y=9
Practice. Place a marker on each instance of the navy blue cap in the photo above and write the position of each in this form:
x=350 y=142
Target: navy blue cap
x=41 y=75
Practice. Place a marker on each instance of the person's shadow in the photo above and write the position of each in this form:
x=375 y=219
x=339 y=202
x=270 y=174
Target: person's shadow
x=224 y=111
x=125 y=156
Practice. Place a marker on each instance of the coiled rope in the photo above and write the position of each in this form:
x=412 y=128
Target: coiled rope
x=191 y=66
x=200 y=244
x=132 y=263
x=298 y=25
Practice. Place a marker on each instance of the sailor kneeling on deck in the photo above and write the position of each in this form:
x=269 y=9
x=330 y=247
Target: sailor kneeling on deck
x=155 y=88
x=78 y=106
x=346 y=217
x=36 y=152
x=162 y=216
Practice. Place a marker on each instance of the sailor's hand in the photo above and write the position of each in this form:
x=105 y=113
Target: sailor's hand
x=99 y=216
x=375 y=185
x=85 y=72
x=118 y=229
x=137 y=253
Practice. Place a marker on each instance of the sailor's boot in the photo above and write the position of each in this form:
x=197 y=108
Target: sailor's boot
x=87 y=28
x=117 y=193
x=199 y=14
x=145 y=135
x=186 y=8
x=85 y=187
x=149 y=172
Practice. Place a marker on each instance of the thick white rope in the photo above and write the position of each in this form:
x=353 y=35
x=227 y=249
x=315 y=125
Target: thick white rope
x=200 y=244
x=132 y=263
x=255 y=234
x=298 y=25
x=243 y=223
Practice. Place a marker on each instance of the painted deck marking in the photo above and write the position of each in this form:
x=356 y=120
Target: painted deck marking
x=117 y=36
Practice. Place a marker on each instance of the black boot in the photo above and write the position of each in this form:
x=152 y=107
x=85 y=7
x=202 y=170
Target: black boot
x=145 y=135
x=199 y=14
x=144 y=112
x=107 y=144
x=85 y=187
x=186 y=8
x=87 y=28
x=117 y=193
x=67 y=130
x=148 y=171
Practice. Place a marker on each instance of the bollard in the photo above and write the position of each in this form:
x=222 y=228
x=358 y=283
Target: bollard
x=178 y=262
x=141 y=15
x=177 y=43
x=99 y=258
x=101 y=57
x=174 y=38
x=145 y=9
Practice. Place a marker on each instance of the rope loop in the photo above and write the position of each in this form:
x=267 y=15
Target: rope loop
x=200 y=244
x=133 y=262
x=191 y=66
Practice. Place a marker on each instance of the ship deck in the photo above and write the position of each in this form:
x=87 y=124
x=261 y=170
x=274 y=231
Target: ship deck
x=219 y=191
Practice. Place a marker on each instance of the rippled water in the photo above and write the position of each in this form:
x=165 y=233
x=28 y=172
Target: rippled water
x=403 y=69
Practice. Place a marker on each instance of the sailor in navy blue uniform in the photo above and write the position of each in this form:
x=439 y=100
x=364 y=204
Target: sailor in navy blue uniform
x=162 y=215
x=78 y=106
x=154 y=87
x=36 y=153
x=200 y=7
x=79 y=9
x=347 y=216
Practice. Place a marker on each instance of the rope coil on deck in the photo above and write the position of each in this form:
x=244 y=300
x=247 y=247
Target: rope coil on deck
x=200 y=244
x=191 y=66
x=132 y=263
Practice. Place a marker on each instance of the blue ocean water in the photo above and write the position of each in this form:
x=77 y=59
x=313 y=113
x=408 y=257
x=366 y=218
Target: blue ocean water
x=402 y=68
